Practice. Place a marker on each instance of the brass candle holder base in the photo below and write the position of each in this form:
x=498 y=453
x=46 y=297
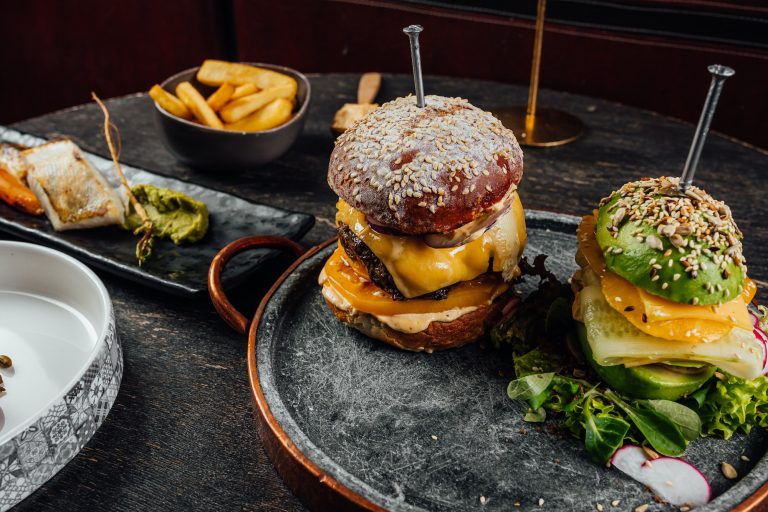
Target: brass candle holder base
x=551 y=127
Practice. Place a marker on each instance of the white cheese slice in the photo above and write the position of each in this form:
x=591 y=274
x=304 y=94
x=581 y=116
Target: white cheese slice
x=613 y=339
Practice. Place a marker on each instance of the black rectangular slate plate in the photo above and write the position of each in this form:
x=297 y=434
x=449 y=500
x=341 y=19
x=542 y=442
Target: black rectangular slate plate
x=179 y=270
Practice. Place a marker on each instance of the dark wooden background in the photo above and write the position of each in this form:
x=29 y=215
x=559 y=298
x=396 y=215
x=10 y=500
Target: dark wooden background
x=646 y=53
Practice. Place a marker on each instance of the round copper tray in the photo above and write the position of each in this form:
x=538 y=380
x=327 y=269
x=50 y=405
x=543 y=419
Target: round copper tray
x=351 y=424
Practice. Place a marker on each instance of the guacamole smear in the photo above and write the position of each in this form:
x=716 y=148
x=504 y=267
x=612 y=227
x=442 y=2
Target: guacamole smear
x=174 y=215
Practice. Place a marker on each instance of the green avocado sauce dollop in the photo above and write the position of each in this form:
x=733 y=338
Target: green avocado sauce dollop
x=174 y=215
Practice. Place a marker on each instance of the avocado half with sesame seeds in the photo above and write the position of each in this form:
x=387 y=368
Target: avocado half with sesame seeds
x=683 y=247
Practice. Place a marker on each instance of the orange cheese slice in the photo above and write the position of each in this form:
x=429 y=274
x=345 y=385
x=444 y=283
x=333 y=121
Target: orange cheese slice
x=418 y=269
x=350 y=280
x=656 y=315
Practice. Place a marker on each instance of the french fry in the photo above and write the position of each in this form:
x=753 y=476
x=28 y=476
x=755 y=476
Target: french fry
x=247 y=105
x=197 y=104
x=216 y=72
x=273 y=114
x=169 y=102
x=15 y=193
x=221 y=96
x=244 y=90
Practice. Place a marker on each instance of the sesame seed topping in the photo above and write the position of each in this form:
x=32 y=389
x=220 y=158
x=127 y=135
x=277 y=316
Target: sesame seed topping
x=444 y=149
x=701 y=228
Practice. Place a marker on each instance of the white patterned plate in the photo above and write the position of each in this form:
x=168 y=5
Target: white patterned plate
x=57 y=325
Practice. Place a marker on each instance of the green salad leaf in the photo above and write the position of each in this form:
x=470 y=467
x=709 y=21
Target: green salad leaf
x=734 y=404
x=535 y=361
x=530 y=386
x=698 y=396
x=659 y=430
x=604 y=434
x=535 y=415
x=683 y=417
x=527 y=329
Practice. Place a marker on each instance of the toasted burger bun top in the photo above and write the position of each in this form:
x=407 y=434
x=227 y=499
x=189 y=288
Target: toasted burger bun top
x=425 y=170
x=686 y=248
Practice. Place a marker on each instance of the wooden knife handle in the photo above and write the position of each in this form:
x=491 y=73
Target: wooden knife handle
x=368 y=87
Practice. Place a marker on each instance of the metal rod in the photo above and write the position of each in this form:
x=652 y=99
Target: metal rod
x=413 y=32
x=530 y=114
x=719 y=75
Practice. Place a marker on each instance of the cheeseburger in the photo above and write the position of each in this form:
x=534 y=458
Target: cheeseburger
x=430 y=225
x=662 y=293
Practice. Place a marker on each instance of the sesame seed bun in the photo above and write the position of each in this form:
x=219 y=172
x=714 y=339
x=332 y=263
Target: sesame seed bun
x=425 y=170
x=466 y=329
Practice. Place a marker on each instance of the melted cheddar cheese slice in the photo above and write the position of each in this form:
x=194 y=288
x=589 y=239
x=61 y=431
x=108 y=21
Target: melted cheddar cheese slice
x=350 y=280
x=657 y=316
x=418 y=269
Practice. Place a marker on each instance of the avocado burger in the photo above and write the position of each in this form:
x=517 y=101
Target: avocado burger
x=429 y=221
x=662 y=291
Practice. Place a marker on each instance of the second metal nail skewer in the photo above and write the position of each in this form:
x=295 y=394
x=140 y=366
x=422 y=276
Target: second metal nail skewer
x=719 y=75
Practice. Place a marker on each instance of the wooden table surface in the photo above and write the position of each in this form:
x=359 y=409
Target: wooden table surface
x=181 y=433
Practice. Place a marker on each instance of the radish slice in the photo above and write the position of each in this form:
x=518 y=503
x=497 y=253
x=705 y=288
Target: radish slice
x=755 y=319
x=760 y=335
x=673 y=480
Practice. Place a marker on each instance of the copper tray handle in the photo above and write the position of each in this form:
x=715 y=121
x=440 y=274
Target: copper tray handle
x=227 y=311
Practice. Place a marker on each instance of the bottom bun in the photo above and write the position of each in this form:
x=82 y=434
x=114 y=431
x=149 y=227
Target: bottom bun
x=437 y=336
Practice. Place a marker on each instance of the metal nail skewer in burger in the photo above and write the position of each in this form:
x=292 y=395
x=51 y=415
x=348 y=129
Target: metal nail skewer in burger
x=719 y=75
x=413 y=32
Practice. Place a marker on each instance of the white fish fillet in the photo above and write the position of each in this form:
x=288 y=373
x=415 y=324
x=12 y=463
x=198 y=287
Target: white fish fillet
x=13 y=161
x=73 y=193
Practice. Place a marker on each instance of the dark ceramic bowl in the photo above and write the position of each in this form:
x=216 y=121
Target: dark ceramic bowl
x=223 y=150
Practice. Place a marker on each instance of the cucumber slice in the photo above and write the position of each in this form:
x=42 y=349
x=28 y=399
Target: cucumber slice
x=650 y=381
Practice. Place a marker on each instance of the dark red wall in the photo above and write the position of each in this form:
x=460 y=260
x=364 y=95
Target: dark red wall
x=53 y=53
x=664 y=75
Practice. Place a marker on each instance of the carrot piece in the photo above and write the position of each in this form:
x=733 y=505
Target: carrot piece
x=15 y=193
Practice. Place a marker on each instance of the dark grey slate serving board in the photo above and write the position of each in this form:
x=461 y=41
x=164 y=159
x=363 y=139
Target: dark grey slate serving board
x=181 y=270
x=366 y=413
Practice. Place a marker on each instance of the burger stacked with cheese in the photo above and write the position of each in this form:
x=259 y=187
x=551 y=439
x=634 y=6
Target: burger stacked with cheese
x=662 y=292
x=430 y=225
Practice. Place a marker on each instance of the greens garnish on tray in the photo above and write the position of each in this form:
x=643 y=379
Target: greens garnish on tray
x=553 y=378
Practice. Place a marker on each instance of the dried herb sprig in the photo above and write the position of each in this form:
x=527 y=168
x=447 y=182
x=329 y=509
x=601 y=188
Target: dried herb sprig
x=5 y=362
x=146 y=230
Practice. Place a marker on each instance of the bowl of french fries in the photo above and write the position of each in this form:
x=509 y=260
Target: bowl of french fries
x=231 y=116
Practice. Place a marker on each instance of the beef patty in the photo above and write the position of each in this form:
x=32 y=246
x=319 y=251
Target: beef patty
x=377 y=271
